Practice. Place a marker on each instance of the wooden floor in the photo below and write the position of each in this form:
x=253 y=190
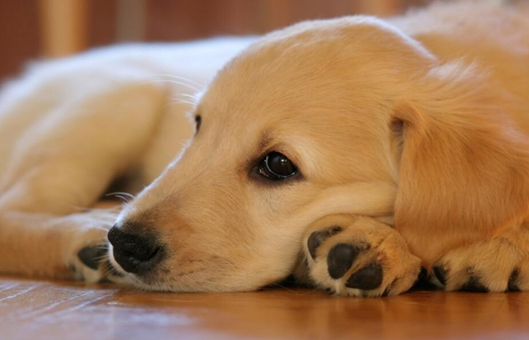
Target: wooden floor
x=56 y=310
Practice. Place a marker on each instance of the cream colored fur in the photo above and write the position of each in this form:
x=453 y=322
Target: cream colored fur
x=411 y=134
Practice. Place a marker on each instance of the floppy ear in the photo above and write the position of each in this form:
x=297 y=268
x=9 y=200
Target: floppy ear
x=464 y=167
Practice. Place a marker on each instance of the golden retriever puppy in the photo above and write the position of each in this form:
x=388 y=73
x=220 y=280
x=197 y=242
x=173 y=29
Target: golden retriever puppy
x=348 y=152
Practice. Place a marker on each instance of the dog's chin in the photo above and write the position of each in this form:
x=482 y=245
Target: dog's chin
x=153 y=283
x=163 y=280
x=119 y=275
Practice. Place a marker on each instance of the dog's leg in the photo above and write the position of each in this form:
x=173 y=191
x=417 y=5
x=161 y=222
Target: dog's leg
x=62 y=166
x=498 y=264
x=359 y=256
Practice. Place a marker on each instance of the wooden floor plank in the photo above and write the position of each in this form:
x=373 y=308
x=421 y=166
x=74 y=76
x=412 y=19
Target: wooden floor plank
x=31 y=309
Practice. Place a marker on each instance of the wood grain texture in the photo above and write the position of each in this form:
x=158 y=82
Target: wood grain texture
x=60 y=310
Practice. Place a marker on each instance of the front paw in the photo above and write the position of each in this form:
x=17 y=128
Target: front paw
x=87 y=252
x=359 y=256
x=93 y=265
x=497 y=265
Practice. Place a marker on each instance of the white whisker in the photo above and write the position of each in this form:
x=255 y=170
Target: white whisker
x=154 y=81
x=172 y=76
x=183 y=101
x=125 y=196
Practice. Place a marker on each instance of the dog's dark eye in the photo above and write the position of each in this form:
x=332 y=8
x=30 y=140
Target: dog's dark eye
x=276 y=166
x=198 y=121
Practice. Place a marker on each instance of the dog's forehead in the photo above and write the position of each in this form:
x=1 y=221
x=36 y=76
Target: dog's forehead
x=261 y=115
x=313 y=62
x=297 y=88
x=264 y=90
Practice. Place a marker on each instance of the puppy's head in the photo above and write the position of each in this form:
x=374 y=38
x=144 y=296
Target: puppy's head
x=307 y=122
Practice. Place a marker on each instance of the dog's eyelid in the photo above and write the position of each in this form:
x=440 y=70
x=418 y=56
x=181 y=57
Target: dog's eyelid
x=282 y=150
x=275 y=168
x=268 y=143
x=293 y=157
x=279 y=148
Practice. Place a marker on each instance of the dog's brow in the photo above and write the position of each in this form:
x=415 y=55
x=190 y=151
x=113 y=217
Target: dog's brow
x=264 y=141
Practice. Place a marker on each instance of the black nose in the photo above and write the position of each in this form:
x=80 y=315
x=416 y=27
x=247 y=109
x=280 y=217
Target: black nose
x=135 y=252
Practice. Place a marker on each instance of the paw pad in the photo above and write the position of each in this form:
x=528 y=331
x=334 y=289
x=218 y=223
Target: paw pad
x=367 y=278
x=474 y=285
x=359 y=257
x=440 y=273
x=318 y=237
x=512 y=286
x=340 y=259
x=91 y=256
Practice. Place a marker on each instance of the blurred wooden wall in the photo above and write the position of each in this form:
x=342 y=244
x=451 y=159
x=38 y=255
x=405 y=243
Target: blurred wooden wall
x=169 y=19
x=19 y=38
x=26 y=26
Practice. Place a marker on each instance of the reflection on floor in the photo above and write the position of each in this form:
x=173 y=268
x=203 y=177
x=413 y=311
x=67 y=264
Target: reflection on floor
x=58 y=310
